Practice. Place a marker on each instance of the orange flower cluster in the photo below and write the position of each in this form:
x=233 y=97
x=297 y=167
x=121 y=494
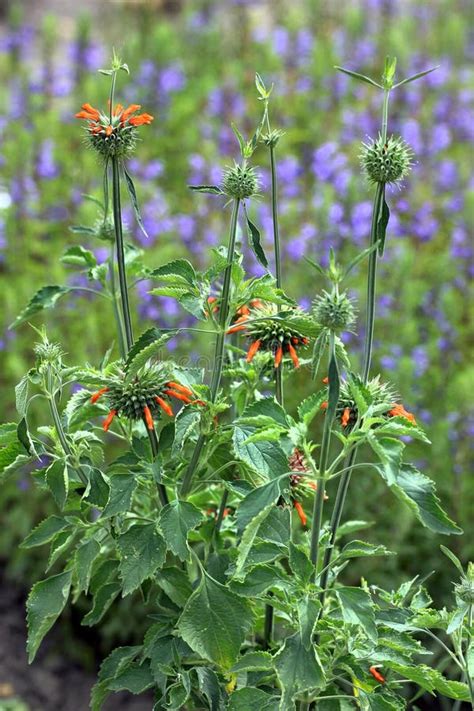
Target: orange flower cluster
x=266 y=337
x=101 y=123
x=172 y=390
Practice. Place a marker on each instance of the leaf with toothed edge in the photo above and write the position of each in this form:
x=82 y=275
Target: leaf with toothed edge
x=254 y=240
x=45 y=298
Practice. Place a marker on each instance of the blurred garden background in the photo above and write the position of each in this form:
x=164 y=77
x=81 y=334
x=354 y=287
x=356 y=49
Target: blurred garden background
x=192 y=66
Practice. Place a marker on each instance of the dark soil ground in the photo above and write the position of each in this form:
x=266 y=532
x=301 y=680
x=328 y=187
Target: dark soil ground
x=54 y=682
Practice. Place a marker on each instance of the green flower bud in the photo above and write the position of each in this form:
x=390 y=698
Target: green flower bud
x=465 y=589
x=334 y=311
x=271 y=139
x=240 y=182
x=386 y=162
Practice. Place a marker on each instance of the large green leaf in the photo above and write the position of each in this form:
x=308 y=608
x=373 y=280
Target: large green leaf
x=142 y=551
x=357 y=609
x=122 y=486
x=85 y=557
x=298 y=670
x=45 y=603
x=215 y=621
x=252 y=698
x=45 y=531
x=103 y=599
x=418 y=492
x=259 y=499
x=58 y=481
x=45 y=298
x=265 y=457
x=176 y=520
x=175 y=271
x=432 y=680
x=389 y=451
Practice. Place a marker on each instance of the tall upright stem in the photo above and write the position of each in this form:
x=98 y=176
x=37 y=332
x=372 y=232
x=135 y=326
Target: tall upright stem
x=117 y=211
x=367 y=359
x=162 y=493
x=118 y=318
x=268 y=624
x=276 y=246
x=219 y=349
x=323 y=463
x=59 y=428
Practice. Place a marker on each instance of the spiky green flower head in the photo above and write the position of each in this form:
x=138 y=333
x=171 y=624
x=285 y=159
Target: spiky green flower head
x=465 y=589
x=240 y=182
x=381 y=397
x=386 y=161
x=277 y=336
x=115 y=133
x=49 y=356
x=272 y=138
x=334 y=311
x=143 y=397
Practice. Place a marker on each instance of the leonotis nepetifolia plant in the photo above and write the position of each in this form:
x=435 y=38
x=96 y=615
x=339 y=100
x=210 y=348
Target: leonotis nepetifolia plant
x=202 y=496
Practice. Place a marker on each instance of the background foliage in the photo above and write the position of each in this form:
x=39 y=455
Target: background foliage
x=193 y=69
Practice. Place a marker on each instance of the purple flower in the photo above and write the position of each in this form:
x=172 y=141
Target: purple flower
x=171 y=79
x=46 y=166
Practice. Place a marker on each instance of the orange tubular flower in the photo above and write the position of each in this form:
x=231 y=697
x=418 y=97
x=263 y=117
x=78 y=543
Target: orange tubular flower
x=293 y=356
x=98 y=395
x=178 y=396
x=326 y=380
x=108 y=420
x=88 y=112
x=252 y=350
x=324 y=405
x=300 y=512
x=180 y=388
x=278 y=356
x=376 y=674
x=148 y=417
x=140 y=120
x=129 y=111
x=164 y=406
x=346 y=415
x=399 y=411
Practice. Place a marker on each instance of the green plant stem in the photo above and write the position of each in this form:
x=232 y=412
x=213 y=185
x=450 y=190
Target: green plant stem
x=317 y=517
x=117 y=211
x=369 y=331
x=118 y=319
x=62 y=435
x=219 y=350
x=268 y=625
x=162 y=493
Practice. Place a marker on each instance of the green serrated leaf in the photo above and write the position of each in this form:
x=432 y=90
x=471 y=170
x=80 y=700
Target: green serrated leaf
x=389 y=451
x=86 y=554
x=419 y=492
x=45 y=603
x=215 y=621
x=142 y=550
x=103 y=599
x=211 y=189
x=57 y=480
x=298 y=670
x=259 y=499
x=357 y=609
x=45 y=531
x=79 y=256
x=45 y=298
x=252 y=698
x=21 y=396
x=122 y=486
x=254 y=241
x=176 y=520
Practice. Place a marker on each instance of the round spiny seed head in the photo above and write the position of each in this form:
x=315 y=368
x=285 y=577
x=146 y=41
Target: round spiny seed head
x=240 y=182
x=386 y=161
x=271 y=139
x=465 y=589
x=120 y=143
x=272 y=333
x=48 y=353
x=334 y=311
x=130 y=397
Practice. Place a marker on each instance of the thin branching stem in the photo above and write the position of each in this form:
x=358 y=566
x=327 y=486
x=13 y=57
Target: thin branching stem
x=219 y=349
x=117 y=211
